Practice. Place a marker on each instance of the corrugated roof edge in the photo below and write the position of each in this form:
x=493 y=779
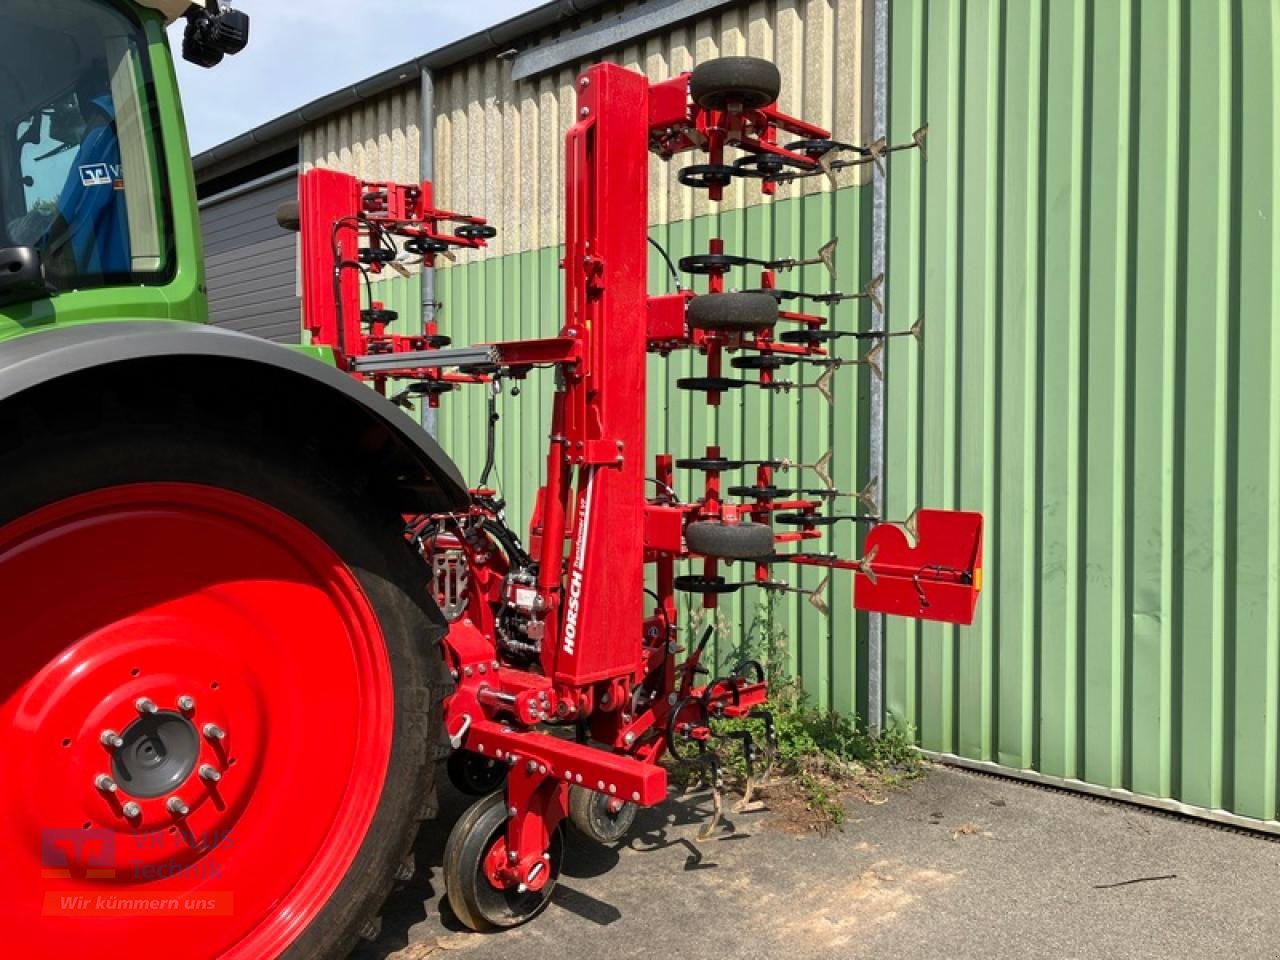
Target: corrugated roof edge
x=218 y=160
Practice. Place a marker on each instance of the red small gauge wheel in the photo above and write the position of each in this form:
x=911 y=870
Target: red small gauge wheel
x=219 y=695
x=474 y=852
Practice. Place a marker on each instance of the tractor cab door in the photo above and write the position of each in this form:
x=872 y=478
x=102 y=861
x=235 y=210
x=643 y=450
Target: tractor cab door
x=79 y=144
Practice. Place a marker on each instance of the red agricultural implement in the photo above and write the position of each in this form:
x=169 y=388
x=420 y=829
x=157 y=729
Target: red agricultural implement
x=249 y=602
x=570 y=683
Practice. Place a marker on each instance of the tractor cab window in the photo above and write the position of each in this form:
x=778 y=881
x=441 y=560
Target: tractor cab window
x=79 y=144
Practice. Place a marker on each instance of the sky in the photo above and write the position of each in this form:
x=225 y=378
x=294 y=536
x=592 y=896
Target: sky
x=300 y=51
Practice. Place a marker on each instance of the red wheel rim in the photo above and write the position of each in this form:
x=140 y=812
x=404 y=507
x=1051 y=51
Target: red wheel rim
x=156 y=592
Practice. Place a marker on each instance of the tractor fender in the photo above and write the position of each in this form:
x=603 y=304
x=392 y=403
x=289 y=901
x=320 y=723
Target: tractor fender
x=353 y=420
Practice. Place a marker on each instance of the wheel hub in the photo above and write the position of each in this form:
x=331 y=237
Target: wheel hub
x=159 y=753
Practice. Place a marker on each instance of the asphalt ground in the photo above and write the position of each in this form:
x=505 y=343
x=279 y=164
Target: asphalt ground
x=952 y=865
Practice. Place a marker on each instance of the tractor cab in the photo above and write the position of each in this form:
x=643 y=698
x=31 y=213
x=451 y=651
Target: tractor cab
x=87 y=197
x=80 y=172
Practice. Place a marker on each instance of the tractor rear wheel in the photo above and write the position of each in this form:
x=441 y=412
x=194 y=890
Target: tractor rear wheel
x=220 y=699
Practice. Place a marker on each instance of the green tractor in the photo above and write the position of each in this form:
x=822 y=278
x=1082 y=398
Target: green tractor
x=220 y=698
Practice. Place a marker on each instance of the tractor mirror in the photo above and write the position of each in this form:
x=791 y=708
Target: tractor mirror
x=214 y=33
x=22 y=275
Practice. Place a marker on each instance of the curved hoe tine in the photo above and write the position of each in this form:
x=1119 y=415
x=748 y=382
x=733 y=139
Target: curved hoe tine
x=872 y=359
x=717 y=800
x=917 y=330
x=867 y=495
x=818 y=600
x=823 y=469
x=919 y=135
x=865 y=568
x=827 y=254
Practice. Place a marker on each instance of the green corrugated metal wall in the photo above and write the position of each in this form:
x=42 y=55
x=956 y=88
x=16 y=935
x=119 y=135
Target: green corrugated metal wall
x=520 y=296
x=1096 y=246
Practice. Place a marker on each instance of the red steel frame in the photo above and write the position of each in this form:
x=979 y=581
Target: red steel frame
x=604 y=661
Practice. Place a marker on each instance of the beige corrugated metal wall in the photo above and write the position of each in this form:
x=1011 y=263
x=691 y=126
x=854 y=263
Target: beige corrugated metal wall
x=500 y=144
x=378 y=140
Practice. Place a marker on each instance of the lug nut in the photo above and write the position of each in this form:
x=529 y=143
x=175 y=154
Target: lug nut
x=146 y=705
x=105 y=783
x=186 y=703
x=177 y=807
x=213 y=731
x=210 y=773
x=111 y=739
x=131 y=810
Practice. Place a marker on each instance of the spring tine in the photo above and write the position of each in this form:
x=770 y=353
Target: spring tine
x=872 y=291
x=872 y=359
x=696 y=137
x=864 y=565
x=876 y=150
x=912 y=525
x=822 y=469
x=827 y=254
x=867 y=495
x=818 y=600
x=824 y=385
x=825 y=165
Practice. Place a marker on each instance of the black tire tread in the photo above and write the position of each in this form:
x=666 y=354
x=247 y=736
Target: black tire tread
x=733 y=312
x=729 y=541
x=153 y=429
x=754 y=82
x=581 y=801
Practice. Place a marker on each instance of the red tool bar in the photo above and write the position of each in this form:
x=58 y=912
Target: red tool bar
x=571 y=762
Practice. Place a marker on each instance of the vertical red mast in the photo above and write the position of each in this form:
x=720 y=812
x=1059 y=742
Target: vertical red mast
x=600 y=407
